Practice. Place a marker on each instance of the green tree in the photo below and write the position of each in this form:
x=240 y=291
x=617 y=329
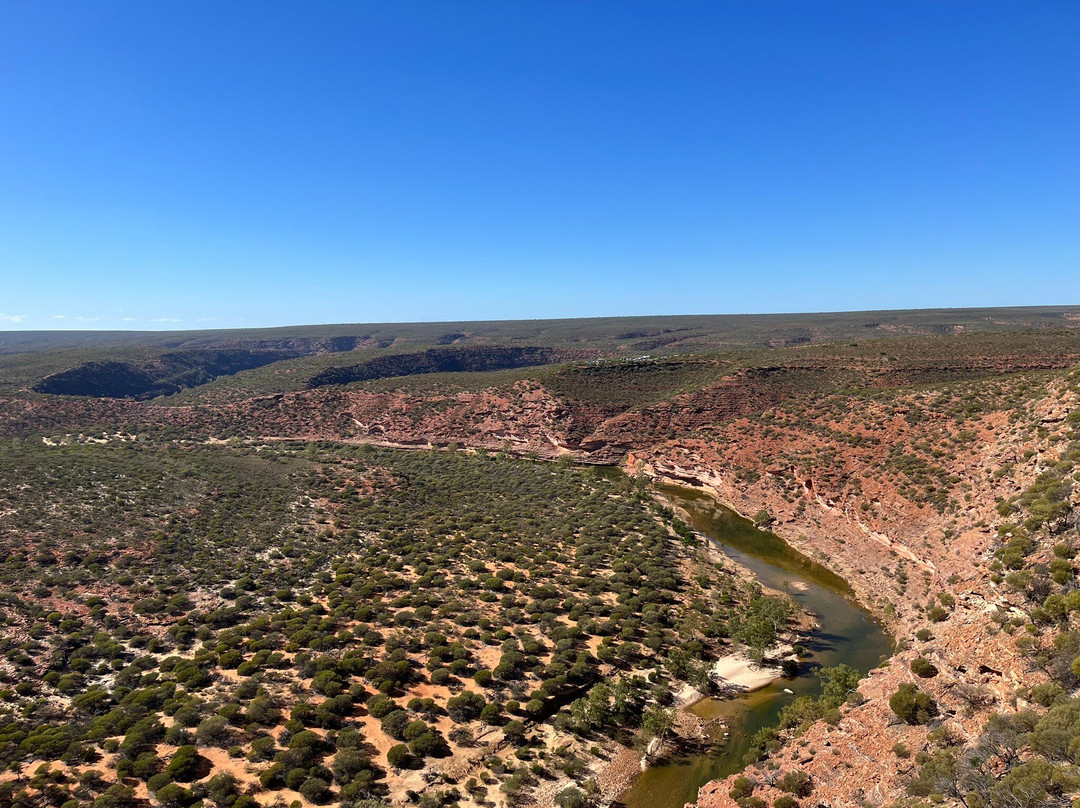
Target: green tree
x=656 y=722
x=839 y=683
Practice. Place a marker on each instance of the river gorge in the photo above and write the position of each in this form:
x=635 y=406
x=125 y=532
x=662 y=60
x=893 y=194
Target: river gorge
x=846 y=634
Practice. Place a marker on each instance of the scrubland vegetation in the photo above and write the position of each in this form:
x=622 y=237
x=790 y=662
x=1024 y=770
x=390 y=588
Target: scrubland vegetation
x=332 y=619
x=1028 y=756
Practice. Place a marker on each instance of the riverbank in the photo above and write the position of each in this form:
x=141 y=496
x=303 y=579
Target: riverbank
x=845 y=633
x=735 y=674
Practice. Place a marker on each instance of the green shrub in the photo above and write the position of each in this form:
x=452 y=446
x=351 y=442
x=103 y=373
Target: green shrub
x=741 y=787
x=923 y=668
x=398 y=756
x=912 y=705
x=936 y=614
x=184 y=764
x=795 y=782
x=572 y=797
x=315 y=789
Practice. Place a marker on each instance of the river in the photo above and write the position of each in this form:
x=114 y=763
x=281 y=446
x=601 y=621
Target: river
x=847 y=634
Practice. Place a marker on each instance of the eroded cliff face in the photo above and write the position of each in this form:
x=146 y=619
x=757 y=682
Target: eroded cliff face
x=163 y=375
x=521 y=417
x=901 y=545
x=474 y=359
x=168 y=372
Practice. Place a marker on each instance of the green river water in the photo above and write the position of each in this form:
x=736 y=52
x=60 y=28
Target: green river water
x=846 y=634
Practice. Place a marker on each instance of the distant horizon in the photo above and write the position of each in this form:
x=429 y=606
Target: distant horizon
x=165 y=325
x=498 y=320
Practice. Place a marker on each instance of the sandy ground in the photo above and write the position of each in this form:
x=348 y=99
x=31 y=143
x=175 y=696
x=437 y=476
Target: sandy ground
x=742 y=673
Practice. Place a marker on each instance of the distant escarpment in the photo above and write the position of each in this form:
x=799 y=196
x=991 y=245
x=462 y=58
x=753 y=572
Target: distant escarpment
x=160 y=376
x=172 y=371
x=444 y=360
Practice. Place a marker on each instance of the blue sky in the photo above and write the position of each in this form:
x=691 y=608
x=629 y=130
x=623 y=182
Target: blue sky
x=204 y=164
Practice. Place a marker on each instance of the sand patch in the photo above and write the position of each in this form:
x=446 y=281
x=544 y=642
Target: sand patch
x=742 y=673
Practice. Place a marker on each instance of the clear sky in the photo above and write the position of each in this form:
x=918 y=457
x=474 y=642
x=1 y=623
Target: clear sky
x=217 y=164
